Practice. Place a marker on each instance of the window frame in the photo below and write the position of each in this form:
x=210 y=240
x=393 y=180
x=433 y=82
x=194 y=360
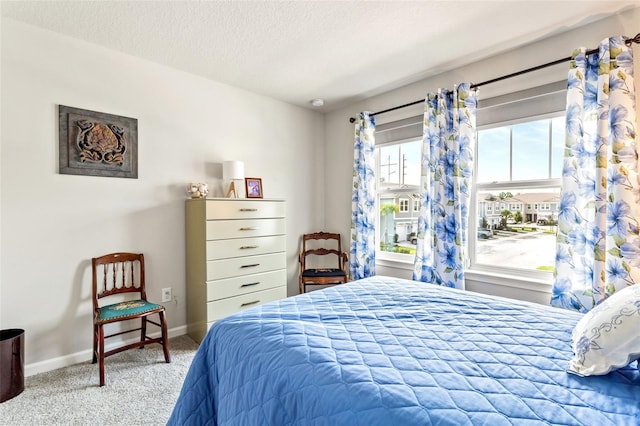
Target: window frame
x=545 y=277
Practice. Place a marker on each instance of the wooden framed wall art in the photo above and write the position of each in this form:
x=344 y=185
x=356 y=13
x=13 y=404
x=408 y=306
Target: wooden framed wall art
x=97 y=144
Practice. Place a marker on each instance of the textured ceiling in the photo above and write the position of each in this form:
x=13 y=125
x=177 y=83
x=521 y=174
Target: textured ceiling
x=340 y=51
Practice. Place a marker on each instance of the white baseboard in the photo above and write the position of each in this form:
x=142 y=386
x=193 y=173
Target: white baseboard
x=82 y=356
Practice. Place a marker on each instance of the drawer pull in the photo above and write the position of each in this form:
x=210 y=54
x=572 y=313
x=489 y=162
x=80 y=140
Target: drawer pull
x=248 y=210
x=249 y=228
x=253 y=265
x=250 y=284
x=248 y=247
x=249 y=303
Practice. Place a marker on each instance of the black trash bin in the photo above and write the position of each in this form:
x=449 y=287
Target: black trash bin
x=11 y=363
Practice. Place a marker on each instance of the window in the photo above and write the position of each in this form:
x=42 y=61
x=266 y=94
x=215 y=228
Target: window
x=398 y=171
x=517 y=162
x=518 y=168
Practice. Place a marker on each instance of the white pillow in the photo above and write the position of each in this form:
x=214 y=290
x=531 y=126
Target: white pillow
x=608 y=336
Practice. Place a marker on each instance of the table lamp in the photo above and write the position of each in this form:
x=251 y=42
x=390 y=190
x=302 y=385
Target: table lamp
x=232 y=170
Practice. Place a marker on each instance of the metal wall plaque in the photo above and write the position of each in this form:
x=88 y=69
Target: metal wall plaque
x=97 y=144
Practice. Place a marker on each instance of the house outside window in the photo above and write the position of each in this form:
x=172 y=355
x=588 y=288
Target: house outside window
x=404 y=205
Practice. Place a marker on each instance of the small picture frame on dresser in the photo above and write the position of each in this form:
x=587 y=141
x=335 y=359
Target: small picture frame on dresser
x=253 y=187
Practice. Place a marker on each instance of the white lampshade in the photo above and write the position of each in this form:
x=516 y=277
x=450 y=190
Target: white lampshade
x=232 y=170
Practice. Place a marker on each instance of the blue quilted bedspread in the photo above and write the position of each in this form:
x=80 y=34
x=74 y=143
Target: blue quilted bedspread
x=385 y=351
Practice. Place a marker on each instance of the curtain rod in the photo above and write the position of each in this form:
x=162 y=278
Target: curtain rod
x=628 y=42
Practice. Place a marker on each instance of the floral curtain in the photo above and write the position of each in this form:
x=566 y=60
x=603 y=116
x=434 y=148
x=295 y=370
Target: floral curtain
x=363 y=214
x=598 y=242
x=448 y=145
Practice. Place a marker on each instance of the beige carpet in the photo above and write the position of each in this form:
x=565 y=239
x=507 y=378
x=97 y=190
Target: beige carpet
x=140 y=389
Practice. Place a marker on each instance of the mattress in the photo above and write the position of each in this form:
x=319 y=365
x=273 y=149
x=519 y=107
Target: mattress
x=386 y=351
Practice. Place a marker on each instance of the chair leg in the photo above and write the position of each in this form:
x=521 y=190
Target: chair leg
x=301 y=285
x=143 y=330
x=101 y=352
x=94 y=359
x=165 y=340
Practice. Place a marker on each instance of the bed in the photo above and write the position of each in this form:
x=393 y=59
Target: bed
x=387 y=351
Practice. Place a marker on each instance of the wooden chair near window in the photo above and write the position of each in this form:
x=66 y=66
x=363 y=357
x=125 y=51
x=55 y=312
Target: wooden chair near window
x=333 y=270
x=115 y=275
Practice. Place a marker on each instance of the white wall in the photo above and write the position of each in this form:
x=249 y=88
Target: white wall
x=340 y=133
x=52 y=224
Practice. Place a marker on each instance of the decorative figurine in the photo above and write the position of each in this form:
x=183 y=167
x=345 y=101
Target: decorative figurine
x=197 y=190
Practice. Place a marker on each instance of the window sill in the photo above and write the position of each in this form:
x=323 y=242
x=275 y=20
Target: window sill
x=510 y=280
x=539 y=283
x=394 y=260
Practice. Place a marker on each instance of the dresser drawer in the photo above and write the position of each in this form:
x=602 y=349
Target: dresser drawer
x=223 y=249
x=221 y=308
x=236 y=209
x=225 y=229
x=237 y=266
x=220 y=289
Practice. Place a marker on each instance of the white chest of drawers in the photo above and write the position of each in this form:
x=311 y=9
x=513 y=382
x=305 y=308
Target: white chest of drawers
x=236 y=258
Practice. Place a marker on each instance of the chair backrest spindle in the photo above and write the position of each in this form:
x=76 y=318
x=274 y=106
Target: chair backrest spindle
x=115 y=276
x=133 y=279
x=105 y=274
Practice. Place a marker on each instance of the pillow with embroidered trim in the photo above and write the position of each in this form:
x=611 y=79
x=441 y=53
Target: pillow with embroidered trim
x=608 y=336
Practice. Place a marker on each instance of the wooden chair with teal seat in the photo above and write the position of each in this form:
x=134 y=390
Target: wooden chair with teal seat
x=332 y=271
x=121 y=275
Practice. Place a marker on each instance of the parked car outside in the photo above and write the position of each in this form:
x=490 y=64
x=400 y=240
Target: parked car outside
x=484 y=233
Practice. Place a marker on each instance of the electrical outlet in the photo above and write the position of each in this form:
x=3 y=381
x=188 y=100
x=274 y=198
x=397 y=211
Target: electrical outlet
x=166 y=294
